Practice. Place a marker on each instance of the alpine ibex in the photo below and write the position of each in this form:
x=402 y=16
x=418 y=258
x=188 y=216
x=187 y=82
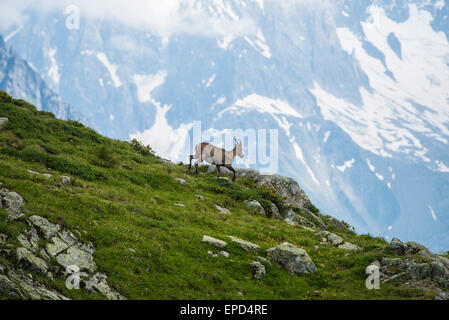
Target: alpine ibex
x=216 y=156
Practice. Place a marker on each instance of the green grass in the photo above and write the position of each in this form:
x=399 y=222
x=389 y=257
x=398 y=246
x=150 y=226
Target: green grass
x=117 y=208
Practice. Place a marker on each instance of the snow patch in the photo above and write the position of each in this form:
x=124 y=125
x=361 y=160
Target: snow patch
x=263 y=105
x=147 y=83
x=432 y=212
x=348 y=164
x=165 y=140
x=300 y=156
x=112 y=68
x=53 y=71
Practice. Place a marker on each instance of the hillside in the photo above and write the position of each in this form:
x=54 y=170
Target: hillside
x=135 y=225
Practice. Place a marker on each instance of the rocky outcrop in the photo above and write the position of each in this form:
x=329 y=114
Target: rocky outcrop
x=408 y=249
x=49 y=249
x=415 y=267
x=287 y=188
x=17 y=285
x=336 y=241
x=292 y=258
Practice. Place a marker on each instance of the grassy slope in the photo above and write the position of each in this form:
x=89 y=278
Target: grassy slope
x=118 y=209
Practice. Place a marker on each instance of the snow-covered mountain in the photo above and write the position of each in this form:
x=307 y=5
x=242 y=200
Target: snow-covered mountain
x=359 y=91
x=22 y=81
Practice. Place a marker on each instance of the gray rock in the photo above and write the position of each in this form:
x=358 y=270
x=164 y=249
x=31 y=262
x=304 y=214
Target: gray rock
x=24 y=256
x=3 y=238
x=61 y=242
x=274 y=212
x=222 y=210
x=215 y=242
x=334 y=239
x=290 y=222
x=442 y=296
x=77 y=257
x=258 y=269
x=255 y=207
x=265 y=261
x=245 y=245
x=12 y=202
x=181 y=205
x=286 y=188
x=292 y=258
x=18 y=286
x=181 y=181
x=313 y=218
x=200 y=197
x=48 y=175
x=408 y=270
x=349 y=246
x=47 y=228
x=299 y=220
x=66 y=181
x=408 y=249
x=224 y=254
x=3 y=122
x=98 y=282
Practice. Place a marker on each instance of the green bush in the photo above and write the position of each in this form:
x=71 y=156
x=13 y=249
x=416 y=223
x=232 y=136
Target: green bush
x=105 y=158
x=142 y=149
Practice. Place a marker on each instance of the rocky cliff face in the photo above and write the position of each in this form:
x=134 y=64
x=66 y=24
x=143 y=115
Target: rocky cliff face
x=19 y=78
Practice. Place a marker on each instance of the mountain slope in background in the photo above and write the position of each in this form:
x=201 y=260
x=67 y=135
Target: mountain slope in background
x=357 y=89
x=19 y=78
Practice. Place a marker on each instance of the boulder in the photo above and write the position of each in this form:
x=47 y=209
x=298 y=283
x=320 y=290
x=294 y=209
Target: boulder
x=215 y=242
x=181 y=181
x=66 y=181
x=274 y=212
x=299 y=220
x=222 y=210
x=47 y=175
x=77 y=257
x=258 y=269
x=12 y=202
x=349 y=246
x=47 y=228
x=3 y=238
x=292 y=258
x=24 y=256
x=255 y=207
x=3 y=122
x=245 y=245
x=334 y=239
x=224 y=254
